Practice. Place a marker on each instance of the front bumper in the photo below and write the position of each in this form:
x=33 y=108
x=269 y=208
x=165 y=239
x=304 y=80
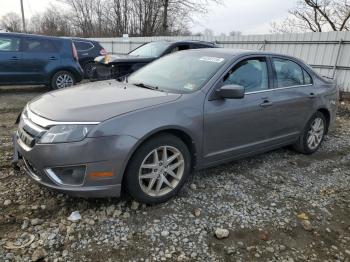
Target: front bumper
x=103 y=154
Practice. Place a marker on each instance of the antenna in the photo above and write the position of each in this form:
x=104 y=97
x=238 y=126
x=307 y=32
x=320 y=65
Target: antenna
x=23 y=19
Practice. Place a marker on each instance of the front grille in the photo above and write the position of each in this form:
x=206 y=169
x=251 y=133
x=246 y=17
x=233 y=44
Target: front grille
x=28 y=132
x=26 y=138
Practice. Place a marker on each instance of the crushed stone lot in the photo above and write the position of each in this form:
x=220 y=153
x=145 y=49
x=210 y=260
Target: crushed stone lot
x=278 y=206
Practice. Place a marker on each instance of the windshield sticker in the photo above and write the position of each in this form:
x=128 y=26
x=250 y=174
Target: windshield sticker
x=189 y=86
x=212 y=59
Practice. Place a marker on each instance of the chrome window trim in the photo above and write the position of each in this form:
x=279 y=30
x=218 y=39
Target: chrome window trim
x=43 y=122
x=278 y=88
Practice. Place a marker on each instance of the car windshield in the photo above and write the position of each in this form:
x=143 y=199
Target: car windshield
x=153 y=49
x=182 y=72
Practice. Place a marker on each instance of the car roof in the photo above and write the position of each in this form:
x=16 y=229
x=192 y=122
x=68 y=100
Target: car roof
x=30 y=35
x=82 y=39
x=186 y=42
x=230 y=52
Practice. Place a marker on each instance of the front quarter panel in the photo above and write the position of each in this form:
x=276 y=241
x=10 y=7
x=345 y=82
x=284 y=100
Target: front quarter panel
x=184 y=114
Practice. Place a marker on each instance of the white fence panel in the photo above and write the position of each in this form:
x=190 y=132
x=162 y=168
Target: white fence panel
x=328 y=53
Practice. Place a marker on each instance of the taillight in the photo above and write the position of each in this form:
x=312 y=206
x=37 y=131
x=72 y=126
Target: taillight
x=75 y=52
x=103 y=52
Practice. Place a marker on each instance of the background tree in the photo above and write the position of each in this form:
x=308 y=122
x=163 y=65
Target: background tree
x=316 y=16
x=107 y=18
x=11 y=22
x=183 y=9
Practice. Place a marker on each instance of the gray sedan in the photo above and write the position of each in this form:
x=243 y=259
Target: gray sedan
x=187 y=111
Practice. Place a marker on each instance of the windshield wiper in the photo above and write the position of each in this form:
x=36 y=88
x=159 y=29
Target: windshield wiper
x=146 y=86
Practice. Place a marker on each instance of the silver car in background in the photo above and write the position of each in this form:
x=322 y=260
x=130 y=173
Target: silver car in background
x=186 y=111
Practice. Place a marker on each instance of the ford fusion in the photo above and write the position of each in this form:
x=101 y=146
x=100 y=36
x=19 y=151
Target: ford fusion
x=184 y=112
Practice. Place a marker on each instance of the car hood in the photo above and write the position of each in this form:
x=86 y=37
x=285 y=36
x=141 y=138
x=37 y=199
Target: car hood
x=114 y=59
x=96 y=101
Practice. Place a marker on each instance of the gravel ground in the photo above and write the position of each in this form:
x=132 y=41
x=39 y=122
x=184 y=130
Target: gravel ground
x=279 y=206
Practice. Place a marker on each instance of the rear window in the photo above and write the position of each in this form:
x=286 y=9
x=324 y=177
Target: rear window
x=9 y=44
x=33 y=45
x=83 y=46
x=203 y=46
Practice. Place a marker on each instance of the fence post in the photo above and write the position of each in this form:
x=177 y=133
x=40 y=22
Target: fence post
x=112 y=47
x=337 y=58
x=264 y=45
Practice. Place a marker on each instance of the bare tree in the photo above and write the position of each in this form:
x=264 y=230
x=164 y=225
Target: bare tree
x=105 y=18
x=316 y=16
x=183 y=9
x=11 y=22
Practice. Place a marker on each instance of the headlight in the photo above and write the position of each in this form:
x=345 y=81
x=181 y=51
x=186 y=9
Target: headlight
x=65 y=133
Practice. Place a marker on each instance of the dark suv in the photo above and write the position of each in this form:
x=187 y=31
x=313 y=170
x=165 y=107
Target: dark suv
x=88 y=50
x=33 y=59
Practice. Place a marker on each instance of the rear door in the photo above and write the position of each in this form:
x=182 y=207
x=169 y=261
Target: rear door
x=293 y=96
x=10 y=59
x=40 y=57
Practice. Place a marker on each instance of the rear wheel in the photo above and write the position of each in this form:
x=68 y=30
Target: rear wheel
x=62 y=79
x=313 y=134
x=158 y=170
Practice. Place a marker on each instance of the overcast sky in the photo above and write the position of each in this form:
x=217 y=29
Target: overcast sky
x=247 y=16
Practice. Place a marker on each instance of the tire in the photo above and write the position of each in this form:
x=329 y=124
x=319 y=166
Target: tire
x=88 y=69
x=145 y=174
x=304 y=145
x=62 y=79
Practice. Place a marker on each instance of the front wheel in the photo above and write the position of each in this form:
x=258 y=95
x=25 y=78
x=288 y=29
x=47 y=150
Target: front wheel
x=62 y=79
x=313 y=134
x=158 y=170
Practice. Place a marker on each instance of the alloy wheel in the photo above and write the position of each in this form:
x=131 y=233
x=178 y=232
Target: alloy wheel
x=161 y=171
x=316 y=133
x=64 y=80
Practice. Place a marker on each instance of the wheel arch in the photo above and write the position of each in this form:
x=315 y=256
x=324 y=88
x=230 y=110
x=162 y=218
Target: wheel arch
x=68 y=69
x=327 y=115
x=179 y=133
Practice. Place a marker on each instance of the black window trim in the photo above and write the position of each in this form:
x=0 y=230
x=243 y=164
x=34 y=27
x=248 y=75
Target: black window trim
x=20 y=47
x=53 y=42
x=270 y=79
x=84 y=50
x=230 y=65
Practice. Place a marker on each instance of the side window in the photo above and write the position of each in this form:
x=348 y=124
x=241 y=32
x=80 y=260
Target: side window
x=83 y=46
x=252 y=74
x=180 y=48
x=39 y=45
x=9 y=44
x=288 y=73
x=307 y=78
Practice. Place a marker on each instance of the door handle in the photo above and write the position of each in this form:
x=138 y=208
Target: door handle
x=53 y=58
x=15 y=58
x=312 y=95
x=266 y=103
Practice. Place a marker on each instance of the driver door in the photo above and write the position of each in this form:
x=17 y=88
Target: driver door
x=235 y=127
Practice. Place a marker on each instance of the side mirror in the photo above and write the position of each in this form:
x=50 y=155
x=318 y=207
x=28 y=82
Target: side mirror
x=231 y=92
